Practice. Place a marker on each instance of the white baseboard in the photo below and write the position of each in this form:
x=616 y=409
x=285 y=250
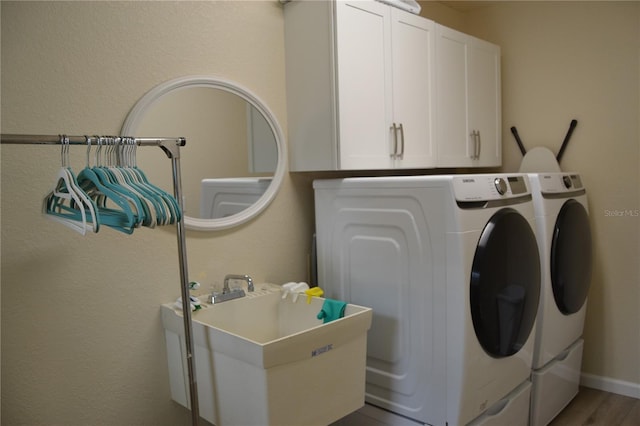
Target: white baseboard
x=608 y=384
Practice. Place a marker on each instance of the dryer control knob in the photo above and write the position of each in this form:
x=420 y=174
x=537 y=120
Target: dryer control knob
x=501 y=185
x=567 y=181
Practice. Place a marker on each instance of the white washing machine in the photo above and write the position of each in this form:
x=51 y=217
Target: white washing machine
x=564 y=240
x=225 y=197
x=450 y=266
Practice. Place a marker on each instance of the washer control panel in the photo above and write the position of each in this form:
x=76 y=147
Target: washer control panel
x=551 y=183
x=490 y=187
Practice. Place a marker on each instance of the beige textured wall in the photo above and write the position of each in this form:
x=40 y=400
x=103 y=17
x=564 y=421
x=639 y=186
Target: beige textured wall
x=565 y=60
x=82 y=342
x=81 y=335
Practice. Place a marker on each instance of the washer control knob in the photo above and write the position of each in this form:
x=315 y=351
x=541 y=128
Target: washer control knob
x=501 y=185
x=566 y=180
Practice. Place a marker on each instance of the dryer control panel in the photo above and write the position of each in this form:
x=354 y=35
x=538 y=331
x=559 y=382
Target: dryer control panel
x=490 y=187
x=554 y=183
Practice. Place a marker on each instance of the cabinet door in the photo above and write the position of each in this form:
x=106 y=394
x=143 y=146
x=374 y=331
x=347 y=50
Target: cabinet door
x=413 y=53
x=453 y=135
x=363 y=45
x=468 y=107
x=485 y=101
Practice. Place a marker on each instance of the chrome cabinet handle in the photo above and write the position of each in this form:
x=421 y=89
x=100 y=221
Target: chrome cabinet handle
x=475 y=134
x=394 y=151
x=395 y=128
x=472 y=155
x=401 y=141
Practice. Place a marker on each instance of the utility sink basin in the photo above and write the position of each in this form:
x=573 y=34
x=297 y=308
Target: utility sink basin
x=264 y=360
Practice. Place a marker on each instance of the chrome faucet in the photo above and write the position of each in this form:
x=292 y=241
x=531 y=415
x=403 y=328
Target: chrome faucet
x=246 y=278
x=230 y=294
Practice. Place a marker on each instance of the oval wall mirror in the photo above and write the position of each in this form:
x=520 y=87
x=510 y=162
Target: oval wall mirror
x=234 y=161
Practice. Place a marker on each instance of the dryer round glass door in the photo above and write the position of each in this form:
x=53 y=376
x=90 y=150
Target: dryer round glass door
x=505 y=284
x=571 y=257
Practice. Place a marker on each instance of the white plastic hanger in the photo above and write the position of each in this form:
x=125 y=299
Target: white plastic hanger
x=67 y=203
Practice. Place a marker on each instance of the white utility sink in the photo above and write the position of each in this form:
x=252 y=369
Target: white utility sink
x=263 y=360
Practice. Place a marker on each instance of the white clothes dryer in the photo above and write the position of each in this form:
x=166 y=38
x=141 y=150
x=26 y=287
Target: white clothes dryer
x=450 y=266
x=564 y=240
x=223 y=197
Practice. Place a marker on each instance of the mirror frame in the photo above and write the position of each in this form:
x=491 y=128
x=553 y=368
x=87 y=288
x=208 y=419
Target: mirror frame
x=137 y=114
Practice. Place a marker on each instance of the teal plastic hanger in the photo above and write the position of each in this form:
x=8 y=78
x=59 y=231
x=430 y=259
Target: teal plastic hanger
x=118 y=206
x=123 y=219
x=172 y=211
x=154 y=206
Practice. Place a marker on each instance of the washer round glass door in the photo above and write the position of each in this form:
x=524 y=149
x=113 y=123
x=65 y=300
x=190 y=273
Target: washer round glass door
x=505 y=284
x=571 y=257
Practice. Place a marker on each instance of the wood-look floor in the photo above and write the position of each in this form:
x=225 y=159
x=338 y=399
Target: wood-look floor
x=590 y=407
x=593 y=407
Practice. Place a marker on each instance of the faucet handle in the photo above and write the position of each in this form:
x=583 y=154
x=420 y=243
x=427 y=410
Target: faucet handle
x=250 y=286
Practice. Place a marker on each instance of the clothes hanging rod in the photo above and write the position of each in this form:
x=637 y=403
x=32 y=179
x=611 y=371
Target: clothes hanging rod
x=171 y=147
x=82 y=140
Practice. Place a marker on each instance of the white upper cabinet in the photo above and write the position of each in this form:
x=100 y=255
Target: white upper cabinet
x=373 y=87
x=468 y=101
x=360 y=86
